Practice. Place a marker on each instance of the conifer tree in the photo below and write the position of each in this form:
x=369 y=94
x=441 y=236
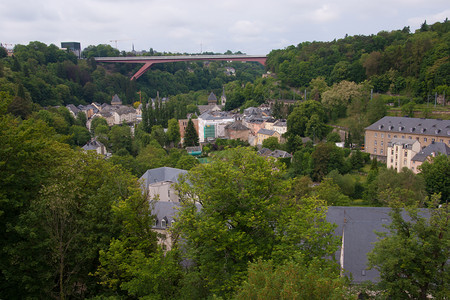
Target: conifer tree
x=191 y=136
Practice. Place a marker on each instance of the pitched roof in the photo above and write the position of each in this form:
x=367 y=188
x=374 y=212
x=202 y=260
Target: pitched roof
x=280 y=154
x=406 y=143
x=92 y=145
x=266 y=131
x=116 y=100
x=435 y=148
x=160 y=175
x=359 y=225
x=212 y=97
x=236 y=126
x=436 y=127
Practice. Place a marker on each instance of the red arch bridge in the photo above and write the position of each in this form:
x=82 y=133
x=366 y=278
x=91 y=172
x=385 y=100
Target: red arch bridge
x=148 y=61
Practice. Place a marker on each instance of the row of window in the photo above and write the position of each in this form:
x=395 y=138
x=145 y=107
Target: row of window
x=410 y=137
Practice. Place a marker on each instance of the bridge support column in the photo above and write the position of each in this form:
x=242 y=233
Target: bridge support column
x=142 y=70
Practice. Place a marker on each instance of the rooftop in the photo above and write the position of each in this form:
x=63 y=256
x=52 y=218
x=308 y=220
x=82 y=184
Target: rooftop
x=436 y=127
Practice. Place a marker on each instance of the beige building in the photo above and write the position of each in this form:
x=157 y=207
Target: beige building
x=427 y=153
x=265 y=134
x=425 y=131
x=400 y=152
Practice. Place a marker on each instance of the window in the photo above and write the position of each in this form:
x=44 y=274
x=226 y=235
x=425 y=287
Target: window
x=410 y=137
x=424 y=139
x=389 y=135
x=168 y=193
x=403 y=136
x=163 y=223
x=374 y=150
x=376 y=134
x=404 y=162
x=392 y=152
x=406 y=153
x=432 y=140
x=382 y=135
x=395 y=136
x=156 y=222
x=441 y=140
x=392 y=160
x=381 y=143
x=381 y=151
x=375 y=143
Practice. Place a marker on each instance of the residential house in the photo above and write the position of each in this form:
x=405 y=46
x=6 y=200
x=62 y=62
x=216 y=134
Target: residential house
x=427 y=153
x=280 y=126
x=94 y=145
x=159 y=183
x=425 y=131
x=400 y=152
x=265 y=134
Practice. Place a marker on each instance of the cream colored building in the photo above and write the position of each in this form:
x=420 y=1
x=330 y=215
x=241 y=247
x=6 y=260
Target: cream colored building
x=400 y=152
x=425 y=131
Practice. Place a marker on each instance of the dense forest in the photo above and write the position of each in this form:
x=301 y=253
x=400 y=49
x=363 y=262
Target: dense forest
x=399 y=61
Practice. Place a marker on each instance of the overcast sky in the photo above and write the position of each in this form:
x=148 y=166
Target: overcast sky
x=250 y=26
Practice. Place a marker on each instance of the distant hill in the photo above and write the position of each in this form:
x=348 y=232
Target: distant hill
x=399 y=61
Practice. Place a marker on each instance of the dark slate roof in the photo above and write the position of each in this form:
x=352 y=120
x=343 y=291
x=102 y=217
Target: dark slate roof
x=281 y=122
x=406 y=125
x=266 y=131
x=73 y=108
x=236 y=126
x=212 y=97
x=92 y=145
x=280 y=154
x=116 y=100
x=167 y=211
x=264 y=152
x=161 y=174
x=359 y=225
x=434 y=147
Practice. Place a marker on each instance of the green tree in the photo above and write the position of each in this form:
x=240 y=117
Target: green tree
x=298 y=120
x=243 y=217
x=271 y=143
x=437 y=176
x=120 y=138
x=190 y=136
x=159 y=135
x=173 y=132
x=412 y=257
x=317 y=280
x=80 y=135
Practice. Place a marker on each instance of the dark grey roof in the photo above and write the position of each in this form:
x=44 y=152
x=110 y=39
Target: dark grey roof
x=92 y=145
x=406 y=125
x=116 y=100
x=280 y=154
x=266 y=131
x=281 y=122
x=160 y=175
x=167 y=211
x=264 y=152
x=212 y=97
x=236 y=126
x=359 y=225
x=73 y=108
x=435 y=148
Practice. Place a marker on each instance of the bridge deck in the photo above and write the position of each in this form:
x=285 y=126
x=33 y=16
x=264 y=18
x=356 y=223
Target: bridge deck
x=148 y=61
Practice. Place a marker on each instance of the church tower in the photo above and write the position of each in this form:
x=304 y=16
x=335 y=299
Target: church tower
x=223 y=98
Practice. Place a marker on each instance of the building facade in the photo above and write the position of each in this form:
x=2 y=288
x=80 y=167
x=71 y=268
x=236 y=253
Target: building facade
x=400 y=152
x=425 y=131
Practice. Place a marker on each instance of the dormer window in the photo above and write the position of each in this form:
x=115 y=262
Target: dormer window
x=156 y=222
x=412 y=129
x=400 y=128
x=391 y=127
x=437 y=131
x=163 y=223
x=423 y=130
